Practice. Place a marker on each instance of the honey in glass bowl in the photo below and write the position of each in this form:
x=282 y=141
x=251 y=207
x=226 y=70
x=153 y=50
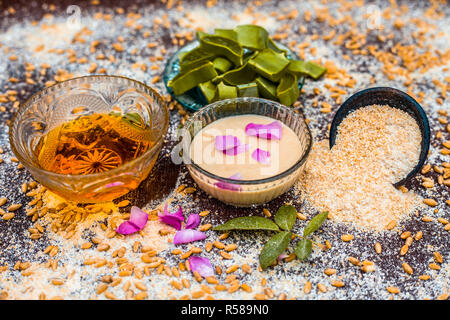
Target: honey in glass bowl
x=91 y=139
x=93 y=144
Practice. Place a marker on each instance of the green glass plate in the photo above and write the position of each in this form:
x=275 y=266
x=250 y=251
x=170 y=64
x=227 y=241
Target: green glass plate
x=193 y=99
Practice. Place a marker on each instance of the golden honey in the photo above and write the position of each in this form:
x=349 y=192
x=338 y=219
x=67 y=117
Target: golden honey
x=93 y=144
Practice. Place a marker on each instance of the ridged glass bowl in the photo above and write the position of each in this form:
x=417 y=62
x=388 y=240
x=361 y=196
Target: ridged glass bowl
x=61 y=103
x=244 y=193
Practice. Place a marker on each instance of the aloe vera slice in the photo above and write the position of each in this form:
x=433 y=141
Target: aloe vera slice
x=248 y=90
x=196 y=74
x=209 y=91
x=269 y=64
x=242 y=75
x=266 y=88
x=248 y=54
x=272 y=45
x=287 y=90
x=309 y=68
x=223 y=47
x=226 y=33
x=252 y=36
x=194 y=56
x=200 y=34
x=222 y=65
x=226 y=92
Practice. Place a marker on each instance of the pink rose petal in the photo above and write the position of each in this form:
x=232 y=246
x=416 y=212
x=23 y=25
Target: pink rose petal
x=261 y=156
x=226 y=142
x=265 y=131
x=127 y=227
x=230 y=145
x=138 y=220
x=202 y=266
x=138 y=216
x=230 y=186
x=188 y=235
x=193 y=221
x=173 y=219
x=236 y=150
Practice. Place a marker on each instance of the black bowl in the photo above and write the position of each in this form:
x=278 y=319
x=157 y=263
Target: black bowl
x=396 y=99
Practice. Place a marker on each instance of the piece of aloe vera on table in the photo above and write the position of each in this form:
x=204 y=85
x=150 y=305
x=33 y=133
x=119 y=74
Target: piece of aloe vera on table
x=272 y=45
x=226 y=33
x=226 y=92
x=266 y=88
x=221 y=46
x=222 y=64
x=242 y=75
x=194 y=56
x=248 y=90
x=192 y=77
x=252 y=37
x=308 y=68
x=209 y=91
x=269 y=64
x=287 y=90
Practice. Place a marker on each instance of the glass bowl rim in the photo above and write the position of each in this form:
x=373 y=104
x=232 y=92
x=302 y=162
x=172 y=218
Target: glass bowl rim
x=256 y=181
x=116 y=170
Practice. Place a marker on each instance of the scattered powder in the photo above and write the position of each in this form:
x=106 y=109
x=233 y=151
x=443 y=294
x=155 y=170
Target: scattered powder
x=375 y=147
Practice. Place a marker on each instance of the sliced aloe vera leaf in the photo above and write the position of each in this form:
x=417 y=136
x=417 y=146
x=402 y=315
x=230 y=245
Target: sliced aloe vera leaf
x=287 y=90
x=226 y=92
x=248 y=223
x=134 y=118
x=269 y=64
x=209 y=91
x=223 y=47
x=266 y=88
x=248 y=90
x=196 y=74
x=242 y=75
x=252 y=36
x=200 y=34
x=222 y=64
x=272 y=45
x=226 y=33
x=309 y=68
x=194 y=56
